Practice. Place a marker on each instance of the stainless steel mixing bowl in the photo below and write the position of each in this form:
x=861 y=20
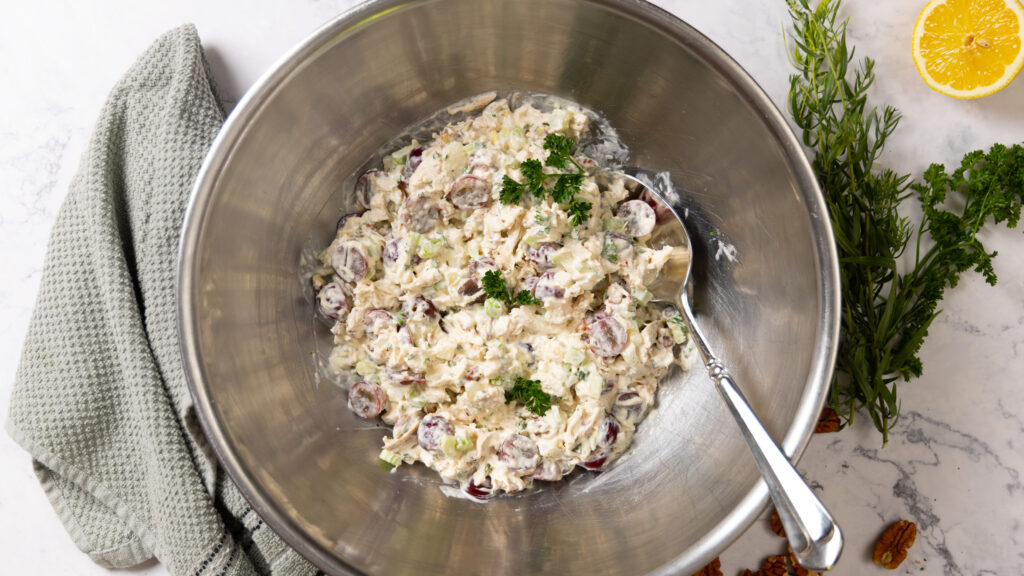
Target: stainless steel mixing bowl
x=278 y=175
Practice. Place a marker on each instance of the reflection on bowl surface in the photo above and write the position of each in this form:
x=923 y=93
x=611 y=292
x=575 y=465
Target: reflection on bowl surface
x=282 y=171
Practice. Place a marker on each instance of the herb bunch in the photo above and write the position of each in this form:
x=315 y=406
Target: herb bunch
x=529 y=394
x=886 y=311
x=566 y=186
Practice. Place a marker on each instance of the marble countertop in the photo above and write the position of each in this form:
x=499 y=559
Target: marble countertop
x=954 y=461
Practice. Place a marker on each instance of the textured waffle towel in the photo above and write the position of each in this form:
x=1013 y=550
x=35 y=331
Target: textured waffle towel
x=100 y=399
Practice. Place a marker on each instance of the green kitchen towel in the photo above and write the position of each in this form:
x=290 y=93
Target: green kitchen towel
x=100 y=400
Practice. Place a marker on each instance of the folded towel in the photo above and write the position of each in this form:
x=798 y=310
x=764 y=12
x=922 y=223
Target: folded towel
x=100 y=399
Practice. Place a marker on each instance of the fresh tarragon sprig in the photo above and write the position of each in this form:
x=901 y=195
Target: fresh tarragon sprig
x=887 y=310
x=566 y=186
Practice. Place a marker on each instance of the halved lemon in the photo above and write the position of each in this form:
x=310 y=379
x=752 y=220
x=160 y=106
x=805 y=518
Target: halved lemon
x=969 y=48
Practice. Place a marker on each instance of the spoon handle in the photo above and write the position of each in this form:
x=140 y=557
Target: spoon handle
x=813 y=535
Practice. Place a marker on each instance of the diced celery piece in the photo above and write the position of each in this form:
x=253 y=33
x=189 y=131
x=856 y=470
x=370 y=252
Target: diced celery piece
x=575 y=356
x=463 y=444
x=429 y=247
x=390 y=457
x=643 y=297
x=399 y=156
x=448 y=446
x=583 y=266
x=494 y=307
x=561 y=258
x=675 y=325
x=366 y=368
x=613 y=225
x=610 y=251
x=531 y=240
x=417 y=400
x=400 y=318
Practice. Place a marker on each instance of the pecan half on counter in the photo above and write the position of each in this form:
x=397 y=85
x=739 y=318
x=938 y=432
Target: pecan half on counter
x=891 y=548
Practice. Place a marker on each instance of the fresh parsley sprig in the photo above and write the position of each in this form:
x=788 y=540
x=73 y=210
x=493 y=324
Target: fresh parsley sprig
x=886 y=310
x=494 y=286
x=566 y=186
x=530 y=395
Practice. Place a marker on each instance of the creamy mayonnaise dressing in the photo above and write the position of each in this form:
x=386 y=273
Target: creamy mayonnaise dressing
x=401 y=284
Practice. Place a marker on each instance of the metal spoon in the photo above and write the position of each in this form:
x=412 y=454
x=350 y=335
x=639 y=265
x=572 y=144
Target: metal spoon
x=813 y=535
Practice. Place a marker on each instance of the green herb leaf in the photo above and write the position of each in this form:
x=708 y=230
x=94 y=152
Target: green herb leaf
x=494 y=286
x=534 y=175
x=579 y=211
x=524 y=298
x=566 y=187
x=529 y=394
x=511 y=191
x=560 y=148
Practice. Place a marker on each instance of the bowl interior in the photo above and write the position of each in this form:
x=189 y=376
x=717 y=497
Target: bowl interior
x=279 y=176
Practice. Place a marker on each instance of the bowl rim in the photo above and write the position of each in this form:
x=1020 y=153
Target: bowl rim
x=797 y=436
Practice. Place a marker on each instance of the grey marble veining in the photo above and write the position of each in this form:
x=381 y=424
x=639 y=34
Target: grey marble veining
x=954 y=461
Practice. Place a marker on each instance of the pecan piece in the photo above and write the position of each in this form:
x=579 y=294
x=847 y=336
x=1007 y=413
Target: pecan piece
x=776 y=524
x=747 y=572
x=714 y=568
x=828 y=422
x=775 y=566
x=891 y=548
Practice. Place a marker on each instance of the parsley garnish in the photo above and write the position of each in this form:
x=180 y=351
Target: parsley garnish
x=529 y=394
x=579 y=211
x=494 y=286
x=566 y=186
x=524 y=298
x=511 y=191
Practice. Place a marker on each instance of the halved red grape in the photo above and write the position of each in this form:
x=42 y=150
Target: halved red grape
x=412 y=162
x=367 y=400
x=344 y=219
x=349 y=261
x=468 y=287
x=608 y=431
x=468 y=191
x=661 y=210
x=607 y=336
x=432 y=429
x=552 y=471
x=519 y=453
x=419 y=214
x=639 y=217
x=540 y=255
x=482 y=491
x=529 y=283
x=629 y=406
x=377 y=321
x=596 y=460
x=332 y=302
x=547 y=287
x=477 y=268
x=392 y=250
x=365 y=188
